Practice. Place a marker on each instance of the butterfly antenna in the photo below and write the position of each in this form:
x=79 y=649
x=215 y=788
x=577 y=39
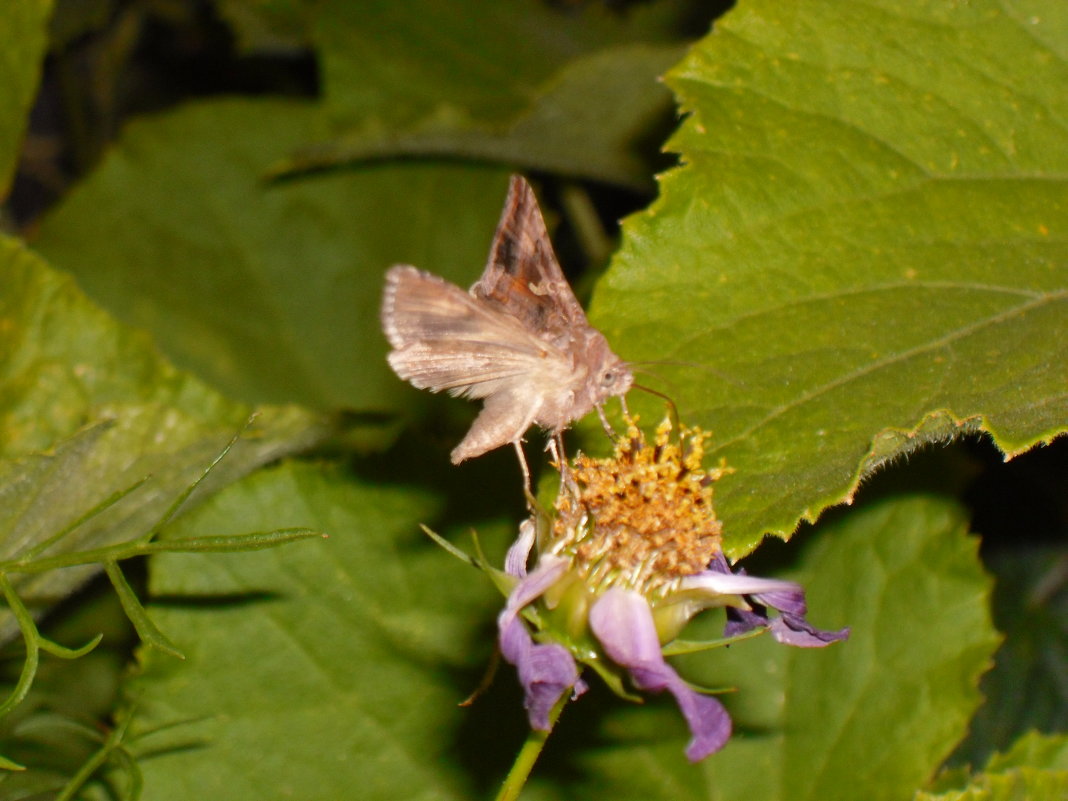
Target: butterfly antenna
x=651 y=374
x=673 y=409
x=697 y=365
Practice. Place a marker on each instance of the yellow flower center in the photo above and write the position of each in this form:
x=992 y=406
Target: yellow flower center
x=643 y=516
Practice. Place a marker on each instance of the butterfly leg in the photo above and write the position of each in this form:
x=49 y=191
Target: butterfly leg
x=556 y=449
x=526 y=472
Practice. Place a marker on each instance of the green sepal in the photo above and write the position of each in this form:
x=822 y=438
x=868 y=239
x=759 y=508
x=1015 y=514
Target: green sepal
x=504 y=582
x=677 y=647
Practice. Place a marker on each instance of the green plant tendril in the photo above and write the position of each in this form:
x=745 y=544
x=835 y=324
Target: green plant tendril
x=31 y=561
x=29 y=635
x=113 y=744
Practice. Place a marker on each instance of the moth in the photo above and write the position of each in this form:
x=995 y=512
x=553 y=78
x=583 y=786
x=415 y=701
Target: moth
x=518 y=339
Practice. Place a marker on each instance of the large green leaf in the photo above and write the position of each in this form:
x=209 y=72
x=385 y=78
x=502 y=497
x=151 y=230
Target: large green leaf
x=592 y=120
x=866 y=248
x=871 y=717
x=270 y=290
x=395 y=65
x=567 y=90
x=324 y=670
x=89 y=409
x=22 y=48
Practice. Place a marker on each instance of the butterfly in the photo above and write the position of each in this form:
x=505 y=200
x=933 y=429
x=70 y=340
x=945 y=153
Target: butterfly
x=518 y=339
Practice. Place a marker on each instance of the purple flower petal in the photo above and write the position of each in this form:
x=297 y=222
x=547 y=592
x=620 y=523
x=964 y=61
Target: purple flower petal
x=741 y=584
x=789 y=628
x=739 y=621
x=515 y=561
x=623 y=622
x=792 y=630
x=546 y=670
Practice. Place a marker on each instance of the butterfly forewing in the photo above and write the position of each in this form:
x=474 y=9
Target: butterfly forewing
x=522 y=276
x=444 y=339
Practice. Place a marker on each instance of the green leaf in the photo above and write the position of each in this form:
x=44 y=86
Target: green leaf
x=1016 y=785
x=591 y=120
x=1035 y=769
x=396 y=65
x=270 y=290
x=89 y=411
x=1034 y=750
x=22 y=49
x=319 y=667
x=870 y=717
x=573 y=91
x=865 y=250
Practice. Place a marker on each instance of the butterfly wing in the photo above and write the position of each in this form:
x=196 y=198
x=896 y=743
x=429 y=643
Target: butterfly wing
x=445 y=339
x=522 y=277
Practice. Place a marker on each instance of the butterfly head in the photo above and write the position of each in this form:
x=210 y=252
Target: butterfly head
x=611 y=375
x=614 y=379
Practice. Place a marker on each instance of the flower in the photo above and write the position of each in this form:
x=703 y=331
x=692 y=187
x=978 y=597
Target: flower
x=631 y=552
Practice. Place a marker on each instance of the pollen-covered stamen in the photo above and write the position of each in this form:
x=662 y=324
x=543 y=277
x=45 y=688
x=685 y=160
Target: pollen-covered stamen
x=642 y=518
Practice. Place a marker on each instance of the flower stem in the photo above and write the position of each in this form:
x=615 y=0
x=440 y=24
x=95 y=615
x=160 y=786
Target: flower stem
x=528 y=755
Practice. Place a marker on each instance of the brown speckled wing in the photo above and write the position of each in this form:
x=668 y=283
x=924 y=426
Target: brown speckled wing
x=522 y=276
x=443 y=338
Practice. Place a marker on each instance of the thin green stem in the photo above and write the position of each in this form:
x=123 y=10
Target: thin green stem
x=101 y=507
x=134 y=777
x=96 y=761
x=528 y=755
x=138 y=547
x=452 y=549
x=85 y=773
x=29 y=635
x=183 y=496
x=63 y=652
